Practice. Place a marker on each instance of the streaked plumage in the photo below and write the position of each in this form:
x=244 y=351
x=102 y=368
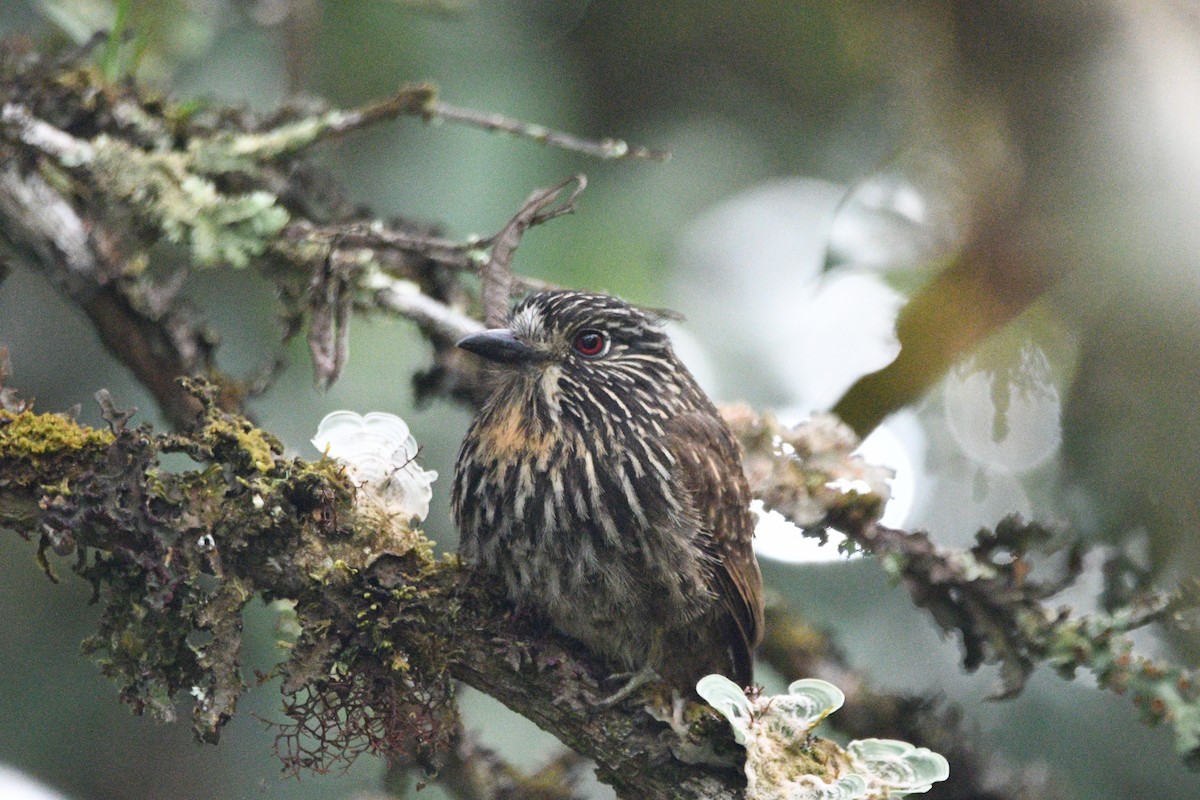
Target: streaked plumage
x=600 y=484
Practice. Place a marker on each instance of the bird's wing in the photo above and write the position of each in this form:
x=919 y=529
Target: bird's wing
x=709 y=462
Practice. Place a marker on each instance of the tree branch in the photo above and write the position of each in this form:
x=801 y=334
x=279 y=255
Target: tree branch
x=987 y=595
x=93 y=176
x=144 y=326
x=384 y=625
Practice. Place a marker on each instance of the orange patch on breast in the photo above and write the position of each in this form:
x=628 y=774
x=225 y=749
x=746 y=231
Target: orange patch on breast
x=507 y=436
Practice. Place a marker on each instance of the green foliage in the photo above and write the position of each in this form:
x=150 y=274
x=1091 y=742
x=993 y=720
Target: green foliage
x=118 y=59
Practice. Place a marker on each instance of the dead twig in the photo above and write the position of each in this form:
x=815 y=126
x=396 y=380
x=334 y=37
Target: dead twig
x=497 y=270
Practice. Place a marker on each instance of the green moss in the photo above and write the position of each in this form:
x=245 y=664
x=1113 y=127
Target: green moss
x=821 y=758
x=173 y=557
x=34 y=446
x=259 y=447
x=30 y=435
x=784 y=765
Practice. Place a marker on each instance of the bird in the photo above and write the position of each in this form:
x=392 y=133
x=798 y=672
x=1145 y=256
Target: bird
x=600 y=486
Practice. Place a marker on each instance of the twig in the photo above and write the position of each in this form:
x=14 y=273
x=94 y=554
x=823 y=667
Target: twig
x=331 y=300
x=416 y=100
x=435 y=319
x=45 y=137
x=412 y=100
x=378 y=236
x=497 y=271
x=601 y=148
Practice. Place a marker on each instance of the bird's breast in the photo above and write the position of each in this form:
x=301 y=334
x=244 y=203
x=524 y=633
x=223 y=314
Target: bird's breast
x=510 y=435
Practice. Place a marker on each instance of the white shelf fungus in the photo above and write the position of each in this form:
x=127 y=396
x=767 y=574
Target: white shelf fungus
x=775 y=729
x=380 y=457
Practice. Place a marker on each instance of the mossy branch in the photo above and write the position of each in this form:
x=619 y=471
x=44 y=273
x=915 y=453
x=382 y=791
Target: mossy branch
x=384 y=626
x=987 y=595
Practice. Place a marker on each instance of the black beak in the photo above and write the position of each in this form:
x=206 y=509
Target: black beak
x=498 y=345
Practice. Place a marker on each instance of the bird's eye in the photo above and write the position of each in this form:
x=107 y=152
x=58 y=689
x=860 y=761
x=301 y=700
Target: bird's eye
x=590 y=343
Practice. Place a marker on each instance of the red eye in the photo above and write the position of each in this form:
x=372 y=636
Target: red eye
x=590 y=343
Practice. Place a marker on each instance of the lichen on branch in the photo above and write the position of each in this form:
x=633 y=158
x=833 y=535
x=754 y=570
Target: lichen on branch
x=988 y=595
x=173 y=557
x=95 y=172
x=382 y=625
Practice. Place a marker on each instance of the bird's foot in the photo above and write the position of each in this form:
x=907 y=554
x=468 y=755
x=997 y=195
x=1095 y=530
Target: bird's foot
x=674 y=716
x=633 y=682
x=677 y=723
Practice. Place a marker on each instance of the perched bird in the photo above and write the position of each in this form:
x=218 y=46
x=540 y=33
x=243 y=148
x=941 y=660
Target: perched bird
x=601 y=486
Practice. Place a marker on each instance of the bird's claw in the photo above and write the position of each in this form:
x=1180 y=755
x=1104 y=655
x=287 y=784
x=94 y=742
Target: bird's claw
x=633 y=682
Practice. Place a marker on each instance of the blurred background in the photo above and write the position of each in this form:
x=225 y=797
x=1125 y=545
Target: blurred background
x=1024 y=175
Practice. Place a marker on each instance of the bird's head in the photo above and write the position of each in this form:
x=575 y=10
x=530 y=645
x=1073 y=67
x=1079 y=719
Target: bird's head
x=570 y=328
x=589 y=347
